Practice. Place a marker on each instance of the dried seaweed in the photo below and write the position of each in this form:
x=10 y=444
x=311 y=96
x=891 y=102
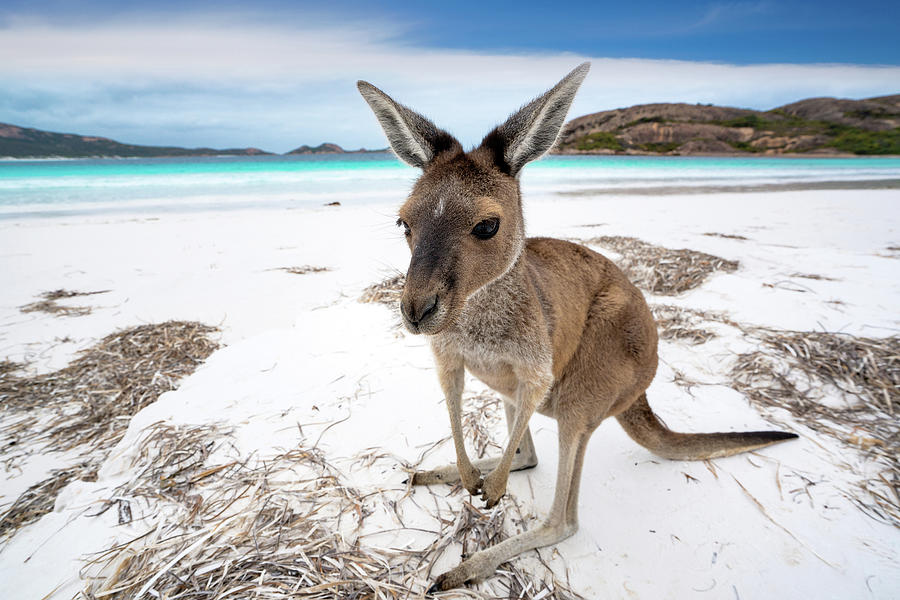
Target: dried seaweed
x=62 y=293
x=386 y=291
x=662 y=270
x=303 y=269
x=39 y=499
x=482 y=416
x=729 y=236
x=285 y=527
x=7 y=367
x=814 y=276
x=682 y=324
x=85 y=407
x=794 y=371
x=50 y=305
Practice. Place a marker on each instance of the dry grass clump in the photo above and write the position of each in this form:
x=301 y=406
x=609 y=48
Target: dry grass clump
x=87 y=405
x=682 y=324
x=662 y=270
x=303 y=269
x=790 y=370
x=386 y=291
x=285 y=527
x=50 y=305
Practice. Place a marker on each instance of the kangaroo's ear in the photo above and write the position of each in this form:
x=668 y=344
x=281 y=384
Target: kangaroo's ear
x=414 y=139
x=532 y=131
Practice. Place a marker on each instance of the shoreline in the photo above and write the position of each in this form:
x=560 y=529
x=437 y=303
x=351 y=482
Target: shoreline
x=724 y=154
x=800 y=186
x=208 y=205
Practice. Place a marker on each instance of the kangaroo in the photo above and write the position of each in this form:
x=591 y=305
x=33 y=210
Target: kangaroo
x=550 y=325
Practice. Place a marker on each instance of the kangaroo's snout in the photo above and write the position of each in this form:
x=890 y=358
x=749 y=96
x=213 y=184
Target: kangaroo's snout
x=418 y=311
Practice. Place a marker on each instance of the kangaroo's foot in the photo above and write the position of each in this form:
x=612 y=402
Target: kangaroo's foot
x=449 y=474
x=482 y=565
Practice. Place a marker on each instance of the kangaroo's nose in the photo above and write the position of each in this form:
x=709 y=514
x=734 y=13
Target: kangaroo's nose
x=417 y=312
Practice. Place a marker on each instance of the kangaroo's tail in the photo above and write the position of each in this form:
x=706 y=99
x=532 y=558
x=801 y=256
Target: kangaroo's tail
x=647 y=430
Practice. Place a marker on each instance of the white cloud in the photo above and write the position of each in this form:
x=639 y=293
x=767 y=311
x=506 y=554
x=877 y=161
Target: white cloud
x=227 y=83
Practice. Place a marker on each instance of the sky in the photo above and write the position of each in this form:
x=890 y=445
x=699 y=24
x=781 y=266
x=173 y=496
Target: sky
x=278 y=74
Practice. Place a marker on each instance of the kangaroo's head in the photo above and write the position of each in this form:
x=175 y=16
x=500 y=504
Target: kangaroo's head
x=463 y=220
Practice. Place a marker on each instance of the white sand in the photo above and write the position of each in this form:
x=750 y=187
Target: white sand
x=299 y=341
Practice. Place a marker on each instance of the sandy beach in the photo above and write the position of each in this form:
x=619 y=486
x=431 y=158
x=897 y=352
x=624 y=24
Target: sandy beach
x=304 y=364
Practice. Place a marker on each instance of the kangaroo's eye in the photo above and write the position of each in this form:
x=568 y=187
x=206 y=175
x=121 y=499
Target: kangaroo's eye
x=486 y=229
x=405 y=226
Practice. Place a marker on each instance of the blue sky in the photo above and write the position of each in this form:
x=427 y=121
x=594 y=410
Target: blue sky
x=279 y=74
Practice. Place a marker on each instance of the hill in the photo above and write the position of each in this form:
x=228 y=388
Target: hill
x=329 y=148
x=23 y=142
x=325 y=148
x=817 y=126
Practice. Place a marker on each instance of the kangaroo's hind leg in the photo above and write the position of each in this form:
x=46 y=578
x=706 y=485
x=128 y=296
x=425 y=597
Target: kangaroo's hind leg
x=559 y=525
x=526 y=457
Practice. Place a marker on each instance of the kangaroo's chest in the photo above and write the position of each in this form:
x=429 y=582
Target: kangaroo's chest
x=499 y=374
x=497 y=339
x=494 y=354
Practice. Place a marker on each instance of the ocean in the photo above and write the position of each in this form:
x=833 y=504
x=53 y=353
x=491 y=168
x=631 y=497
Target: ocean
x=43 y=188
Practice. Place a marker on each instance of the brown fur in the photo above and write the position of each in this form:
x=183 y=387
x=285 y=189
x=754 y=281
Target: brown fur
x=552 y=326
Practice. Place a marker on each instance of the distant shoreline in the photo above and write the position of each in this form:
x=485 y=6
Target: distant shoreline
x=722 y=154
x=754 y=156
x=673 y=190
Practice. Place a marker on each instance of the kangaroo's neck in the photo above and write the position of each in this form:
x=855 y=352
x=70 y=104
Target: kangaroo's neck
x=501 y=323
x=497 y=307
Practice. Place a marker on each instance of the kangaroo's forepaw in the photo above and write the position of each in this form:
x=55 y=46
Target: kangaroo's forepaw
x=474 y=486
x=494 y=487
x=470 y=477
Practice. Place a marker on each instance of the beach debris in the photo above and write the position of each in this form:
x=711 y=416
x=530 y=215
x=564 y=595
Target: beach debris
x=682 y=324
x=303 y=269
x=387 y=291
x=288 y=526
x=86 y=406
x=729 y=236
x=50 y=305
x=800 y=372
x=660 y=270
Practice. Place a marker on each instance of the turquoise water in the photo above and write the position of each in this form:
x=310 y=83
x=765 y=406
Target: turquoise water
x=53 y=187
